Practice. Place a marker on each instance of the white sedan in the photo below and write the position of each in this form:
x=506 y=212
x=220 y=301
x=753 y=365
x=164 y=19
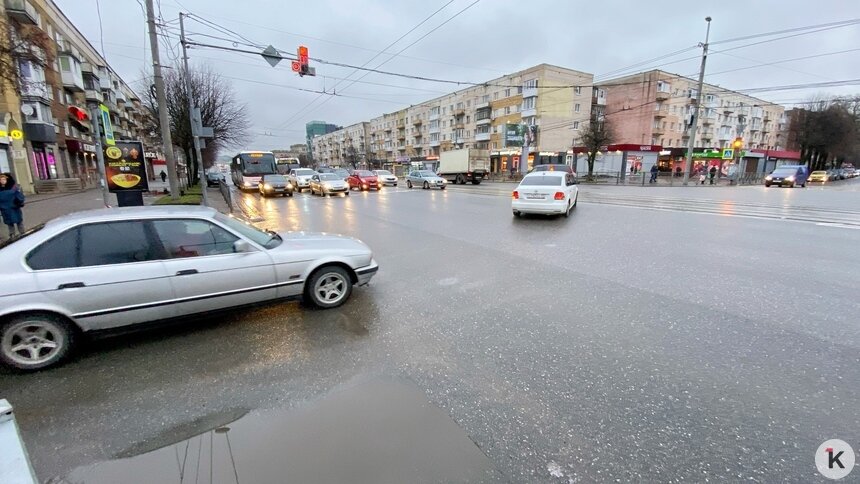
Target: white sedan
x=385 y=177
x=545 y=192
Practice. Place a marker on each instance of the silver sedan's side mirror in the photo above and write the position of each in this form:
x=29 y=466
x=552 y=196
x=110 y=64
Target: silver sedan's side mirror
x=241 y=246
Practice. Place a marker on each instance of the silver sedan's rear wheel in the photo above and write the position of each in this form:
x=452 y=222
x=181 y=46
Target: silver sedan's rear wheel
x=408 y=184
x=35 y=341
x=329 y=287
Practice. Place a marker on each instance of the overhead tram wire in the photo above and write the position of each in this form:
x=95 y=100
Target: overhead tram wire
x=825 y=26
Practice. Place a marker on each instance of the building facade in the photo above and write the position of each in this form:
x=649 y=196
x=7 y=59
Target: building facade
x=57 y=89
x=347 y=146
x=655 y=108
x=489 y=116
x=317 y=128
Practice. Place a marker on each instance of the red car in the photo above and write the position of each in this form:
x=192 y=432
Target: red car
x=363 y=180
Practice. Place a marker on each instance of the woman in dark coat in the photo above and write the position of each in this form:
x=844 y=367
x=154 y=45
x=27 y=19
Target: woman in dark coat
x=11 y=201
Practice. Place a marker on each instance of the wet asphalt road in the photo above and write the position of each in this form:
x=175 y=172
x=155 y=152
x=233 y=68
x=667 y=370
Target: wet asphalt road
x=621 y=343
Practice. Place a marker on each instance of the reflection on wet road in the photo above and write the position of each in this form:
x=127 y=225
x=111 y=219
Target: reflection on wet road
x=619 y=344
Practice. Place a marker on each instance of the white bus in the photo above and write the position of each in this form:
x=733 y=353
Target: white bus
x=247 y=167
x=285 y=164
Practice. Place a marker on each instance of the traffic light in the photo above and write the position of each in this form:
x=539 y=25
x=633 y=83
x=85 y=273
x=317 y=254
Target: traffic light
x=303 y=60
x=738 y=143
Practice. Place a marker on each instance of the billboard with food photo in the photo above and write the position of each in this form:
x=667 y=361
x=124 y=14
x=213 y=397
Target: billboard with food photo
x=125 y=167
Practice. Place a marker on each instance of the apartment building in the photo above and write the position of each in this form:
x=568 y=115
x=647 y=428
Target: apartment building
x=55 y=92
x=655 y=108
x=555 y=99
x=343 y=147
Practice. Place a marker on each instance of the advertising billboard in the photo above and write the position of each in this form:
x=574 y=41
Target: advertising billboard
x=125 y=168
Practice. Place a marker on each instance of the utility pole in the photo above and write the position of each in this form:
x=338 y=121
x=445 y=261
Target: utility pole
x=194 y=125
x=163 y=118
x=688 y=166
x=96 y=117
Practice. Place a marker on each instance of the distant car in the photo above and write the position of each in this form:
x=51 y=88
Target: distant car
x=787 y=176
x=819 y=176
x=214 y=178
x=119 y=267
x=832 y=175
x=850 y=172
x=363 y=180
x=840 y=173
x=275 y=185
x=328 y=184
x=301 y=178
x=545 y=192
x=553 y=167
x=425 y=179
x=386 y=177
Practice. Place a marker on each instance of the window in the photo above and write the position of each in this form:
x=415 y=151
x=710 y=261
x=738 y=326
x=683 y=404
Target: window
x=507 y=92
x=530 y=84
x=519 y=91
x=577 y=90
x=65 y=65
x=66 y=128
x=468 y=103
x=115 y=243
x=576 y=125
x=60 y=252
x=468 y=119
x=528 y=103
x=24 y=69
x=576 y=108
x=507 y=110
x=193 y=238
x=495 y=96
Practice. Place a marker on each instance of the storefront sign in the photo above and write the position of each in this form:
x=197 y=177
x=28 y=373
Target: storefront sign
x=124 y=167
x=708 y=154
x=106 y=126
x=16 y=134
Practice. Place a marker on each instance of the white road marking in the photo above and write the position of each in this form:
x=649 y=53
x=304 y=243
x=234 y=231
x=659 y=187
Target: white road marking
x=839 y=226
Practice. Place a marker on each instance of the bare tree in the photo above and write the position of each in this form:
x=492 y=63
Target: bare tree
x=22 y=42
x=219 y=110
x=595 y=137
x=825 y=133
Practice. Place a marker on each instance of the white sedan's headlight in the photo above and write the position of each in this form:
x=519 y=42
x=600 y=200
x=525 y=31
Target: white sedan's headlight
x=444 y=181
x=791 y=178
x=267 y=186
x=768 y=177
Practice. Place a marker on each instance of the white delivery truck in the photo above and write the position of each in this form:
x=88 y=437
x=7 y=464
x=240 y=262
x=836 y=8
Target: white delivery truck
x=466 y=165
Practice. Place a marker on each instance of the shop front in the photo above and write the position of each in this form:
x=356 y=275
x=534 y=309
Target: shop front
x=508 y=161
x=43 y=156
x=82 y=158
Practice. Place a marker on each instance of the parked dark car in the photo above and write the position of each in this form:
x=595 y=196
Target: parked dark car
x=214 y=178
x=788 y=176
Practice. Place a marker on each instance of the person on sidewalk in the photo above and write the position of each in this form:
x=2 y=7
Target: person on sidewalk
x=653 y=174
x=11 y=201
x=713 y=173
x=163 y=177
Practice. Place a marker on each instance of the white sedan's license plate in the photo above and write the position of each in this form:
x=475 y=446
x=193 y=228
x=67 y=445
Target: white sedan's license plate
x=534 y=197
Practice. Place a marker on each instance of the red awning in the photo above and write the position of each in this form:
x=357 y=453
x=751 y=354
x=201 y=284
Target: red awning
x=781 y=154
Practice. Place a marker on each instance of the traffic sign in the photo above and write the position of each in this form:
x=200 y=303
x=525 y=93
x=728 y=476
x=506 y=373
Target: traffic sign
x=272 y=56
x=296 y=66
x=728 y=154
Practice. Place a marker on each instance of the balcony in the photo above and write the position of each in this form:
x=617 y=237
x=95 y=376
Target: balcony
x=482 y=136
x=22 y=11
x=93 y=95
x=433 y=117
x=530 y=92
x=401 y=136
x=483 y=121
x=434 y=130
x=483 y=105
x=661 y=96
x=459 y=112
x=528 y=112
x=601 y=100
x=459 y=125
x=416 y=122
x=72 y=81
x=35 y=90
x=658 y=131
x=387 y=130
x=433 y=144
x=659 y=112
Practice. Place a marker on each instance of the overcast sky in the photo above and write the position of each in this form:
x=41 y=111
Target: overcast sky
x=491 y=38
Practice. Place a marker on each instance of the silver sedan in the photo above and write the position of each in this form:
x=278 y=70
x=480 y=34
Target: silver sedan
x=425 y=179
x=111 y=268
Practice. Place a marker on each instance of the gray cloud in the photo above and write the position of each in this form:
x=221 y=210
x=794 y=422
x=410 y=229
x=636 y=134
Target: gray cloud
x=491 y=38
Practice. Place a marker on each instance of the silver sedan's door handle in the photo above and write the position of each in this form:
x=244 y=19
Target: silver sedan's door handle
x=70 y=285
x=186 y=272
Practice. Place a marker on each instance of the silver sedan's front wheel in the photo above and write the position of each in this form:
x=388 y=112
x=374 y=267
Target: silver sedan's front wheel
x=329 y=287
x=35 y=341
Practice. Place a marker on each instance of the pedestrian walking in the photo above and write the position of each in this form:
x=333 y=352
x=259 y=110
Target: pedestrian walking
x=11 y=201
x=653 y=174
x=713 y=173
x=702 y=178
x=163 y=177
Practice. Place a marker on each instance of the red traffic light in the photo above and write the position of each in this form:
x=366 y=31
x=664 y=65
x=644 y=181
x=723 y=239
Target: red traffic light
x=303 y=55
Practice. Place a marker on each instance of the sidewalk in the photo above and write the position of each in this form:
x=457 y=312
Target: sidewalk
x=41 y=208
